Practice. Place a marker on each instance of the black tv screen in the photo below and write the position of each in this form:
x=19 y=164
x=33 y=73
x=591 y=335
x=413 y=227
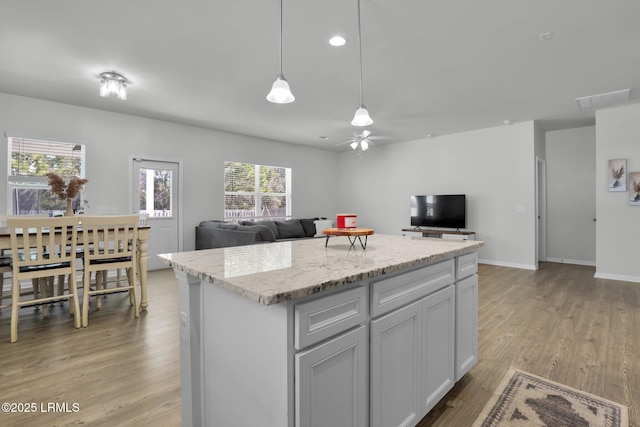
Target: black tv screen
x=439 y=210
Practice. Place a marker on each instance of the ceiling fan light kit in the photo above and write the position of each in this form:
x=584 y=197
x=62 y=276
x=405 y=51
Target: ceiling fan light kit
x=280 y=92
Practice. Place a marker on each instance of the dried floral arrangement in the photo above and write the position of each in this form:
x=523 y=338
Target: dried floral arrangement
x=635 y=187
x=617 y=173
x=63 y=190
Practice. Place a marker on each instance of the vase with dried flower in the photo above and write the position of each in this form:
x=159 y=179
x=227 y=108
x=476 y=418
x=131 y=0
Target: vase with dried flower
x=65 y=191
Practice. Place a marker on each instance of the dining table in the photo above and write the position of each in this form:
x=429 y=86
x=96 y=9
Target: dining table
x=142 y=246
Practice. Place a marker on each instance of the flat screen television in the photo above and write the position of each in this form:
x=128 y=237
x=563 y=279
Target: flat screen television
x=439 y=210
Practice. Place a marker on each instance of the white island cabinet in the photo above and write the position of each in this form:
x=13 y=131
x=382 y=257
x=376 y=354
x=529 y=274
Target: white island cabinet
x=296 y=334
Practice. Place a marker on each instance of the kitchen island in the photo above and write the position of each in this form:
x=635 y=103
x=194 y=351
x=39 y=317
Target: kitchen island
x=298 y=334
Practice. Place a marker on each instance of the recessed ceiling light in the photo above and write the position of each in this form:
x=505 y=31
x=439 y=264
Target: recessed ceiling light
x=508 y=122
x=337 y=41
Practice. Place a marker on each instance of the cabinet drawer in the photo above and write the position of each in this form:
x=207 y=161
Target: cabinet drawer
x=327 y=316
x=466 y=265
x=396 y=291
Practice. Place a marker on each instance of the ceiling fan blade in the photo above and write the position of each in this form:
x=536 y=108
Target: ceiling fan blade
x=349 y=141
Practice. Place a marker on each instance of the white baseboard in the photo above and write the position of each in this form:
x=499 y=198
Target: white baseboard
x=620 y=277
x=508 y=264
x=571 y=261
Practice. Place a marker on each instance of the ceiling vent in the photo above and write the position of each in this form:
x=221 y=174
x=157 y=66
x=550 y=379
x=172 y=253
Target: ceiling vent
x=604 y=99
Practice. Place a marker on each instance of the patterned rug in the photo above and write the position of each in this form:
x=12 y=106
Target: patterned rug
x=523 y=399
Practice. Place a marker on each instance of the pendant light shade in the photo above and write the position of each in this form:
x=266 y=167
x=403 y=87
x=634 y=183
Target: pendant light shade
x=280 y=92
x=361 y=118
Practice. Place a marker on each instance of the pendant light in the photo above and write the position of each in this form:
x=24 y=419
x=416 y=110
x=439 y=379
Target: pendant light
x=361 y=118
x=280 y=92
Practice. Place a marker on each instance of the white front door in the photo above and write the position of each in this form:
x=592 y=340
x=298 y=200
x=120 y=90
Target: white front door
x=155 y=192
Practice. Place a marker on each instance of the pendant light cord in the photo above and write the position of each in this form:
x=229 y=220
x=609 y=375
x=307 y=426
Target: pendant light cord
x=281 y=37
x=360 y=47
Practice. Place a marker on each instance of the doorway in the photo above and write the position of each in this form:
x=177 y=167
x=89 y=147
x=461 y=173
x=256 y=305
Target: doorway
x=156 y=192
x=541 y=210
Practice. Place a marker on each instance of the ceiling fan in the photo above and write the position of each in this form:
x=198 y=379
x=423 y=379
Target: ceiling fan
x=363 y=140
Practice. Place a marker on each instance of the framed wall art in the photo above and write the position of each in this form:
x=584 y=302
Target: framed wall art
x=618 y=175
x=634 y=189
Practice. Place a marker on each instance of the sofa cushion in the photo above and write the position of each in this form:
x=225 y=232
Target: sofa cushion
x=290 y=229
x=264 y=233
x=229 y=226
x=321 y=224
x=211 y=223
x=308 y=226
x=269 y=224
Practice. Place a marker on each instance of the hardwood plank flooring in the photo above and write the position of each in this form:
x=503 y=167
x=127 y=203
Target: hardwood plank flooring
x=121 y=371
x=558 y=322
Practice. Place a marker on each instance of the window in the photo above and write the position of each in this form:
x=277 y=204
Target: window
x=256 y=191
x=28 y=161
x=155 y=192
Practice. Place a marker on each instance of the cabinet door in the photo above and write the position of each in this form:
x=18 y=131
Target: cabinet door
x=466 y=325
x=438 y=339
x=395 y=368
x=331 y=382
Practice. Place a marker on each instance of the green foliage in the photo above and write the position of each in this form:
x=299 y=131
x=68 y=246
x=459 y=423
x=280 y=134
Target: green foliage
x=239 y=177
x=39 y=164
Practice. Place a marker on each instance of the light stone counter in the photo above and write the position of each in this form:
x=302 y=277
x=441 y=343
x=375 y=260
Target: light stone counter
x=282 y=271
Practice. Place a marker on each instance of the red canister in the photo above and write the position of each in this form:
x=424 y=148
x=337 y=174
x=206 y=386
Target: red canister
x=346 y=220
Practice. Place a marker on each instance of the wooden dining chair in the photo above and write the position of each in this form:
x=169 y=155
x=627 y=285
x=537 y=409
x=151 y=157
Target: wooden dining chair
x=5 y=267
x=41 y=248
x=109 y=245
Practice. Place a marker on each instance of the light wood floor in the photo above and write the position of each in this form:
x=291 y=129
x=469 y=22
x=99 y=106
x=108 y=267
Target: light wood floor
x=558 y=322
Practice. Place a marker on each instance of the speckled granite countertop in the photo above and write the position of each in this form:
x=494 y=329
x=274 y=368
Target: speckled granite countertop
x=275 y=272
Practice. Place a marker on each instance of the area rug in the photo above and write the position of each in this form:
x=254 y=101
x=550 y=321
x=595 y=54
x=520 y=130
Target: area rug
x=524 y=399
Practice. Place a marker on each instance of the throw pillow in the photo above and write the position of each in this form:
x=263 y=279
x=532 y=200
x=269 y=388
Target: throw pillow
x=264 y=233
x=321 y=224
x=229 y=226
x=270 y=224
x=308 y=226
x=290 y=229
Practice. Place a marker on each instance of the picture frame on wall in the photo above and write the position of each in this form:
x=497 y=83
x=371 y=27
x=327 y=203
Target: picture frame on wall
x=617 y=175
x=634 y=189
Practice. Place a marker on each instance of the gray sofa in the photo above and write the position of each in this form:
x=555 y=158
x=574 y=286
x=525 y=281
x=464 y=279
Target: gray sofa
x=219 y=234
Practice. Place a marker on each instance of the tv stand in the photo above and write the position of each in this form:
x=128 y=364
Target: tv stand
x=442 y=233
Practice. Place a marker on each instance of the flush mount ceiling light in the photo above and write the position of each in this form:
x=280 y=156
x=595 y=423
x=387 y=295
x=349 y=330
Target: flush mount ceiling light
x=113 y=84
x=361 y=118
x=280 y=92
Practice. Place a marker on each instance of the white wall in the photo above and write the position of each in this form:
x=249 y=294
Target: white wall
x=494 y=167
x=112 y=138
x=571 y=195
x=618 y=226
